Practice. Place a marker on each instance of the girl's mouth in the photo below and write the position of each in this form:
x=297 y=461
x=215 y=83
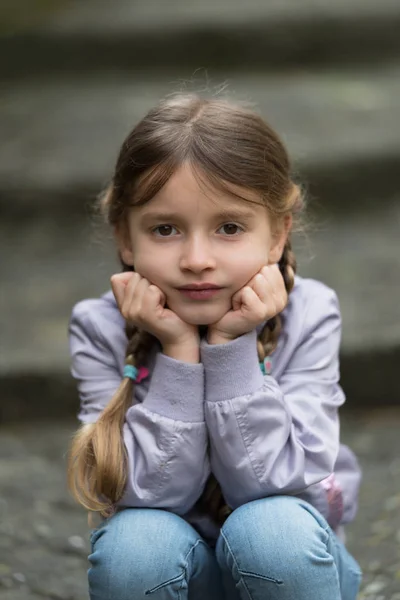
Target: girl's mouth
x=200 y=294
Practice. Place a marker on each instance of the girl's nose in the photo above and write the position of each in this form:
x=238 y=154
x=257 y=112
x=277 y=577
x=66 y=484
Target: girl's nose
x=197 y=256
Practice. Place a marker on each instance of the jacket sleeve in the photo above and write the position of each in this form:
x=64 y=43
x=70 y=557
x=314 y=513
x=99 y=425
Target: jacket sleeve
x=165 y=436
x=267 y=438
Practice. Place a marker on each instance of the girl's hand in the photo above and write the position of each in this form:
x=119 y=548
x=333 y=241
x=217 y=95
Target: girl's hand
x=263 y=297
x=142 y=304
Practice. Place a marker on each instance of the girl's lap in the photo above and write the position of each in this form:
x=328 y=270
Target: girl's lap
x=269 y=540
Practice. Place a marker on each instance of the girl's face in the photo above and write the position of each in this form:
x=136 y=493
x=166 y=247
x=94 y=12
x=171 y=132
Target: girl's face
x=189 y=234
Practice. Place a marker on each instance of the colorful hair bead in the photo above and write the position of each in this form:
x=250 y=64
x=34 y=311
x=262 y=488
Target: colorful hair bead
x=134 y=373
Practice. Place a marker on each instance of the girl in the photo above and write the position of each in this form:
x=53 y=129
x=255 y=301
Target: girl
x=209 y=400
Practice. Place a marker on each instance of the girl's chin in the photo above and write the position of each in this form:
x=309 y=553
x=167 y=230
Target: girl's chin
x=201 y=316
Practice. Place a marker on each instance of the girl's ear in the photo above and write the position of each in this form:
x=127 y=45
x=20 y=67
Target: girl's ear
x=124 y=244
x=279 y=239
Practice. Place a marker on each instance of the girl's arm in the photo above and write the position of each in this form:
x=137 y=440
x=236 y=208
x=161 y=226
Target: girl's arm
x=165 y=435
x=267 y=438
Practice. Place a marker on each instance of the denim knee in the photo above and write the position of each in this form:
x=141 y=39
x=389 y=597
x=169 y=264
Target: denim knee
x=138 y=551
x=276 y=539
x=282 y=548
x=273 y=536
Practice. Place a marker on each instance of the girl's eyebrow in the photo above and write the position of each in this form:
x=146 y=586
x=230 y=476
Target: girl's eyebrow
x=233 y=214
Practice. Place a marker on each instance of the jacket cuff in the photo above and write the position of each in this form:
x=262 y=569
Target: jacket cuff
x=176 y=390
x=231 y=369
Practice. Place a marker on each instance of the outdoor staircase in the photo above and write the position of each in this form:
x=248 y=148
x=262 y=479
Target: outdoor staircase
x=326 y=75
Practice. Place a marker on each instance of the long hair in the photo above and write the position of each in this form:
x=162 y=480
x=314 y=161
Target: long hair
x=224 y=144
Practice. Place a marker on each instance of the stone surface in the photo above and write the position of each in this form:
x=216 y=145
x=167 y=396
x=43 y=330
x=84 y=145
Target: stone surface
x=60 y=137
x=96 y=34
x=123 y=15
x=44 y=535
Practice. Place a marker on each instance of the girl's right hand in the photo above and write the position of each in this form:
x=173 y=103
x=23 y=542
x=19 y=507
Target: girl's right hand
x=143 y=304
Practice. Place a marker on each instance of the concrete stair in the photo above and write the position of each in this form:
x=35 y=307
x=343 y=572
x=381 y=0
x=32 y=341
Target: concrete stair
x=95 y=34
x=75 y=85
x=60 y=136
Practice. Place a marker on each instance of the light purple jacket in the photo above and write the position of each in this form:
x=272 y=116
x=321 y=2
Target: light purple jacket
x=260 y=435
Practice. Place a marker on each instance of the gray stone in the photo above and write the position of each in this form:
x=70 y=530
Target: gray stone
x=93 y=35
x=125 y=16
x=60 y=137
x=374 y=587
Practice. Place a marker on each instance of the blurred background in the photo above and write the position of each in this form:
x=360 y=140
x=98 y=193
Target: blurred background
x=75 y=77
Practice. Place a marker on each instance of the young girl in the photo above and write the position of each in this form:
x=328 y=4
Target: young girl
x=208 y=377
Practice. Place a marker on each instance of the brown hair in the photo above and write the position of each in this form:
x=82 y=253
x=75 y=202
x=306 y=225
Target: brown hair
x=224 y=144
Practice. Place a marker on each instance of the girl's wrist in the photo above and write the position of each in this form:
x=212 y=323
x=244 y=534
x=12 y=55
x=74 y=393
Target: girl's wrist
x=183 y=352
x=217 y=338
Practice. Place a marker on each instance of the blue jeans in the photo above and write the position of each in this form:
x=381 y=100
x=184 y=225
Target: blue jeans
x=278 y=548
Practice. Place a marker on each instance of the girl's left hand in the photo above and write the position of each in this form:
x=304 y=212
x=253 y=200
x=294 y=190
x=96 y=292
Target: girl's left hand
x=262 y=298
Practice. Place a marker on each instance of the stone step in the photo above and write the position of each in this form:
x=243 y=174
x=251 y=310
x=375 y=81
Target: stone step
x=52 y=264
x=60 y=137
x=275 y=34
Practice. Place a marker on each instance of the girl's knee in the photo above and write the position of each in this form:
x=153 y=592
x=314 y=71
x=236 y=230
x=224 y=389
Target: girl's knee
x=274 y=536
x=139 y=548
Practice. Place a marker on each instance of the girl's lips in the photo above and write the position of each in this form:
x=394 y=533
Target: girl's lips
x=203 y=294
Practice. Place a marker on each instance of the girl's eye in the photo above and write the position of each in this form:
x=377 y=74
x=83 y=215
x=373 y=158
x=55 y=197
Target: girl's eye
x=164 y=230
x=231 y=229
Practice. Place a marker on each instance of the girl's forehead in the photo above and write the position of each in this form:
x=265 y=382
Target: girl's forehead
x=189 y=187
x=193 y=206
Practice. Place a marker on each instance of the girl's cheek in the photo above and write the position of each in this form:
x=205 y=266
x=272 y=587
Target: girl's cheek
x=247 y=272
x=150 y=267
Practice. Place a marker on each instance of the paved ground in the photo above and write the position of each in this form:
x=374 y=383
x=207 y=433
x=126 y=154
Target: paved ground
x=44 y=536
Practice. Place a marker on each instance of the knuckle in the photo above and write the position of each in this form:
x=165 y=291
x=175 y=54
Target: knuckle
x=259 y=313
x=125 y=313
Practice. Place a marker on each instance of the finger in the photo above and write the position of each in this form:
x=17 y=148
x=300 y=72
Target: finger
x=130 y=303
x=273 y=273
x=138 y=309
x=237 y=299
x=252 y=306
x=277 y=296
x=276 y=283
x=154 y=299
x=242 y=295
x=123 y=277
x=119 y=282
x=261 y=287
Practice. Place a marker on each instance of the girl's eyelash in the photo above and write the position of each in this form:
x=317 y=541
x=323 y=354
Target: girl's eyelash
x=232 y=223
x=154 y=229
x=158 y=227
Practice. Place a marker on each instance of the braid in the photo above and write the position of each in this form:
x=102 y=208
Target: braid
x=212 y=499
x=97 y=470
x=268 y=337
x=139 y=345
